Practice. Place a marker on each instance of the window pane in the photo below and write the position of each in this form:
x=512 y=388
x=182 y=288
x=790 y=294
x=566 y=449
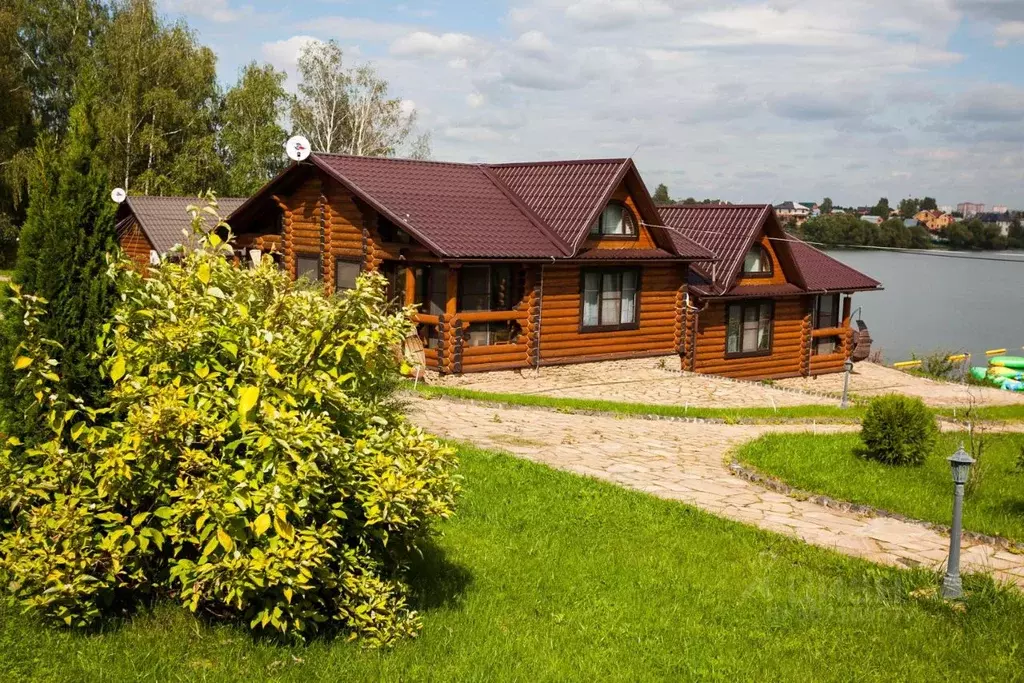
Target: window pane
x=595 y=228
x=438 y=289
x=628 y=314
x=612 y=219
x=764 y=335
x=733 y=330
x=346 y=272
x=752 y=262
x=610 y=304
x=475 y=282
x=307 y=266
x=591 y=297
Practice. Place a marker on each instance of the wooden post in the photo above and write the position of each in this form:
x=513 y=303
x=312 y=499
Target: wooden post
x=410 y=285
x=530 y=330
x=848 y=336
x=450 y=310
x=806 y=342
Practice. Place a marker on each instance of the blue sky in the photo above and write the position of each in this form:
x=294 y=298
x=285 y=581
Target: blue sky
x=747 y=100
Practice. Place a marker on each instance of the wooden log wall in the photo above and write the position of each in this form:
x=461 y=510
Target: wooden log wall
x=136 y=245
x=787 y=343
x=345 y=228
x=562 y=341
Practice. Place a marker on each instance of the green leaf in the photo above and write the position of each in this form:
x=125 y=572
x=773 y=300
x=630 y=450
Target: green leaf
x=284 y=529
x=138 y=519
x=22 y=362
x=224 y=539
x=247 y=397
x=163 y=512
x=262 y=524
x=117 y=369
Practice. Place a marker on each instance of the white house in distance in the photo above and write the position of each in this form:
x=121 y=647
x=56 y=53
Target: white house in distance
x=792 y=210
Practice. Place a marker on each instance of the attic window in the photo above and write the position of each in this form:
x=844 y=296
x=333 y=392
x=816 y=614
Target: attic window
x=757 y=262
x=615 y=221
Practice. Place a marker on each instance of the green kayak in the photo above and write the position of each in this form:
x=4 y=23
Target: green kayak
x=979 y=372
x=1015 y=362
x=1001 y=371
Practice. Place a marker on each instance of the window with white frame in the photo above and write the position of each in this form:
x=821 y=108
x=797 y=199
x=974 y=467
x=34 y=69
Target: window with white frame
x=610 y=299
x=758 y=262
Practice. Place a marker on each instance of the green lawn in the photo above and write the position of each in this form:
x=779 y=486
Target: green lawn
x=544 y=575
x=820 y=413
x=829 y=465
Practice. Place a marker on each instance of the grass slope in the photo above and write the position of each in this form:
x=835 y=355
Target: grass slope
x=829 y=465
x=549 y=576
x=783 y=414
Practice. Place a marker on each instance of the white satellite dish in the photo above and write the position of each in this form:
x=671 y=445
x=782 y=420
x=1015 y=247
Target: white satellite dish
x=297 y=148
x=118 y=195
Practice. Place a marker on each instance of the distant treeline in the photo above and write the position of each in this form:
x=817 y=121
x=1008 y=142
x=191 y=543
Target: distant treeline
x=847 y=229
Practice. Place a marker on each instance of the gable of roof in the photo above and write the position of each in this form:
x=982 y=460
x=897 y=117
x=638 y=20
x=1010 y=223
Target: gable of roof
x=165 y=221
x=726 y=230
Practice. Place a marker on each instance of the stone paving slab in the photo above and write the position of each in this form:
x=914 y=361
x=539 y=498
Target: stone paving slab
x=684 y=461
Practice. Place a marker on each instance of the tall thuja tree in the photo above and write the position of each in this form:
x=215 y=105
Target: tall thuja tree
x=67 y=235
x=251 y=139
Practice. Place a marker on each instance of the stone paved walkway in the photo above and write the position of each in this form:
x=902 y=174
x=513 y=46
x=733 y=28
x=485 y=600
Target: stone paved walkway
x=685 y=462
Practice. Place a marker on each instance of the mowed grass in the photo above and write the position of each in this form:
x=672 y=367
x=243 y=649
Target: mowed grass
x=546 y=576
x=829 y=464
x=815 y=412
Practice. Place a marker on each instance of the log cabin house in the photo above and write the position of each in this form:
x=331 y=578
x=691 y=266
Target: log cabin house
x=525 y=265
x=772 y=306
x=149 y=228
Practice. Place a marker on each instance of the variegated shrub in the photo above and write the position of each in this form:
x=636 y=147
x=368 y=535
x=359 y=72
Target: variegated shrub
x=251 y=461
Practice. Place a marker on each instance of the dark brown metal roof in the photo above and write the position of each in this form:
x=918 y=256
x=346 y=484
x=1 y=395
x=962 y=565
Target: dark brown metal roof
x=821 y=272
x=724 y=229
x=455 y=209
x=729 y=229
x=165 y=220
x=565 y=194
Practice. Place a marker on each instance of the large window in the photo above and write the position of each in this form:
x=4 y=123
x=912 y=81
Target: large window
x=307 y=266
x=490 y=288
x=826 y=315
x=749 y=328
x=610 y=299
x=345 y=274
x=615 y=221
x=757 y=263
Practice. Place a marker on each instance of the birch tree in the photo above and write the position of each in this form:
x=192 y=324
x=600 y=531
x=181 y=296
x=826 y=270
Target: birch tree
x=349 y=110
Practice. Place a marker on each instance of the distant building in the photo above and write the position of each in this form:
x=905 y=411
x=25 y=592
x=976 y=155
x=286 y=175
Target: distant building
x=872 y=219
x=934 y=220
x=969 y=209
x=947 y=208
x=792 y=210
x=910 y=223
x=813 y=206
x=1002 y=220
x=999 y=208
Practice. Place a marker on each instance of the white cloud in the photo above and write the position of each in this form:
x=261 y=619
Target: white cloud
x=475 y=100
x=534 y=43
x=424 y=44
x=611 y=14
x=218 y=11
x=284 y=54
x=1009 y=32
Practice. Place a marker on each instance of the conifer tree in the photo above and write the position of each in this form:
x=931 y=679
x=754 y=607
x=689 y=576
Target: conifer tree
x=67 y=234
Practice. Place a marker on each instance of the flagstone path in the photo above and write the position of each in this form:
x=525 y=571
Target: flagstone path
x=685 y=461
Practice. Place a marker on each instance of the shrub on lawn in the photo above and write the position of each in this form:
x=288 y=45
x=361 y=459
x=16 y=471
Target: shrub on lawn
x=898 y=430
x=249 y=461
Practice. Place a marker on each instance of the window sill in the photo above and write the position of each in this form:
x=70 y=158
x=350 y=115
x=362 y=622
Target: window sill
x=748 y=354
x=760 y=276
x=608 y=328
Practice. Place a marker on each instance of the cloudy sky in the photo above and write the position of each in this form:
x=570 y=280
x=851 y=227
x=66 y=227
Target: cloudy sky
x=747 y=100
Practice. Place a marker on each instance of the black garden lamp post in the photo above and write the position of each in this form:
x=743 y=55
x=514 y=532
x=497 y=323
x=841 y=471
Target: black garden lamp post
x=960 y=462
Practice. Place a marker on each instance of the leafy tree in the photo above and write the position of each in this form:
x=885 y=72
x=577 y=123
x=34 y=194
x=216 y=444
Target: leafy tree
x=661 y=195
x=348 y=110
x=62 y=259
x=881 y=208
x=1015 y=235
x=826 y=205
x=929 y=204
x=251 y=138
x=157 y=110
x=252 y=463
x=909 y=207
x=56 y=39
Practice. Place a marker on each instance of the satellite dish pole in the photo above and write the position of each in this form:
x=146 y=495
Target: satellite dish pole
x=297 y=148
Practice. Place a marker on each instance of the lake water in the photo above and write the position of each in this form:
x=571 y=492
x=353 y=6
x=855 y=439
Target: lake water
x=936 y=303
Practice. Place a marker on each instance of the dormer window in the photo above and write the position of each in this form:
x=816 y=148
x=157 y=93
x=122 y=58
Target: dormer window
x=757 y=262
x=615 y=221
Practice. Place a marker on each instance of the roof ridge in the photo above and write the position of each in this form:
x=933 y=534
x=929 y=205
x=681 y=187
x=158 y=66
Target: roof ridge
x=559 y=162
x=719 y=205
x=406 y=160
x=523 y=207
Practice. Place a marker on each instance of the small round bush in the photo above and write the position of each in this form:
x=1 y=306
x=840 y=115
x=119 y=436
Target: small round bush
x=898 y=430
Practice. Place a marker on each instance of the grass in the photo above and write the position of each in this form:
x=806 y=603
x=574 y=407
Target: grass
x=544 y=575
x=828 y=464
x=821 y=413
